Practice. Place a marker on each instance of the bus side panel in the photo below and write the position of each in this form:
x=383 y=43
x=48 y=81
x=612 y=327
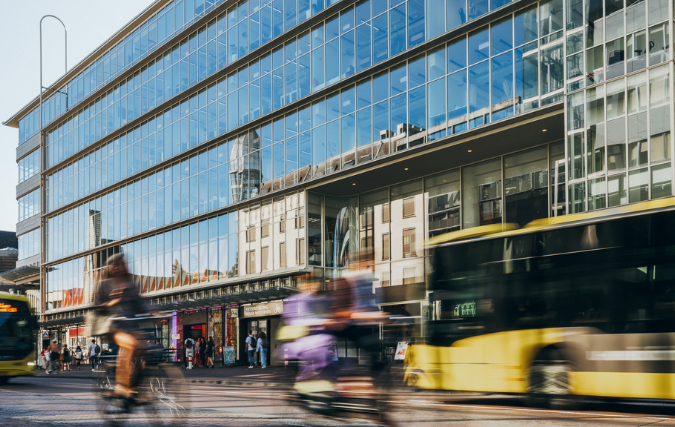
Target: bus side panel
x=641 y=385
x=492 y=363
x=18 y=368
x=639 y=365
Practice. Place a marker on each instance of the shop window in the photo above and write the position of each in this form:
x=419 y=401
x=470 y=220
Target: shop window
x=264 y=257
x=408 y=207
x=526 y=186
x=386 y=217
x=250 y=262
x=444 y=202
x=301 y=251
x=409 y=243
x=409 y=276
x=385 y=279
x=558 y=176
x=386 y=252
x=482 y=194
x=282 y=255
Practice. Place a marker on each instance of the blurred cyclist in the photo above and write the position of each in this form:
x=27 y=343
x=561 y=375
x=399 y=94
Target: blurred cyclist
x=117 y=298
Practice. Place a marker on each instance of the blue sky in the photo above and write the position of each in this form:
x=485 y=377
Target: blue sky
x=89 y=23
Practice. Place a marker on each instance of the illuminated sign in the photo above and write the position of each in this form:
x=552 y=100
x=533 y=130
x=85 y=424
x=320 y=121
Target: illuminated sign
x=467 y=309
x=6 y=308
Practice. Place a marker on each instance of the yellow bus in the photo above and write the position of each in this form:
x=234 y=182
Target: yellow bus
x=578 y=305
x=17 y=355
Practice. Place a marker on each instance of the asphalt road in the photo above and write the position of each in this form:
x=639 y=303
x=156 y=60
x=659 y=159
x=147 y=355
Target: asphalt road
x=72 y=402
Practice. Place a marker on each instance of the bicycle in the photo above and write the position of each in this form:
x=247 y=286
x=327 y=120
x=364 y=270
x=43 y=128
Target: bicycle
x=162 y=392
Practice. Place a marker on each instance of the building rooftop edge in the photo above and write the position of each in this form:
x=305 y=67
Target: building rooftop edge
x=146 y=13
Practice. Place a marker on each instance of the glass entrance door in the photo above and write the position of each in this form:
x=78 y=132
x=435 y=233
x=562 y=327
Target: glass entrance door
x=256 y=326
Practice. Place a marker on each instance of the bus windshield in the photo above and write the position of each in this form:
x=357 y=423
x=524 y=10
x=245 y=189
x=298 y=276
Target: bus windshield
x=15 y=329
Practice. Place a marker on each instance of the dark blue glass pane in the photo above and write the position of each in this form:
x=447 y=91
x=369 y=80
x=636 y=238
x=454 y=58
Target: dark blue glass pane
x=415 y=22
x=436 y=18
x=380 y=33
x=525 y=24
x=498 y=3
x=502 y=86
x=501 y=34
x=477 y=8
x=479 y=43
x=398 y=80
x=381 y=87
x=416 y=71
x=397 y=39
x=363 y=53
x=457 y=89
x=479 y=88
x=457 y=55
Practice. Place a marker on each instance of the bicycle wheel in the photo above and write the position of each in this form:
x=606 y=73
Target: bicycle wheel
x=165 y=395
x=113 y=409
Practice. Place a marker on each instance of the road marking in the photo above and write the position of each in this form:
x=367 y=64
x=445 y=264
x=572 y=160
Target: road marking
x=551 y=411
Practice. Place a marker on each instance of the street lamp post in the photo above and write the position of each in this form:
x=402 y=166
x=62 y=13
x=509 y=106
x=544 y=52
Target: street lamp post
x=65 y=70
x=43 y=161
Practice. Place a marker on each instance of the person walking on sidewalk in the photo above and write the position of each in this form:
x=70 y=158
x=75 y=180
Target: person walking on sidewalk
x=197 y=361
x=209 y=353
x=78 y=357
x=261 y=347
x=94 y=351
x=250 y=346
x=54 y=356
x=65 y=358
x=189 y=350
x=202 y=351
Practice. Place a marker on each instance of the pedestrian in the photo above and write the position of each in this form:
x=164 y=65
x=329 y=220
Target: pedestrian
x=189 y=349
x=261 y=346
x=42 y=364
x=78 y=357
x=65 y=358
x=210 y=346
x=94 y=352
x=46 y=351
x=197 y=362
x=203 y=351
x=250 y=346
x=54 y=356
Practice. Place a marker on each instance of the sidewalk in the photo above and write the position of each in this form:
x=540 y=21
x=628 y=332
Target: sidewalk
x=228 y=375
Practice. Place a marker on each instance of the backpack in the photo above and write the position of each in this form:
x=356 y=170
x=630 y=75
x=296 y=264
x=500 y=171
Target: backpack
x=265 y=343
x=98 y=349
x=188 y=343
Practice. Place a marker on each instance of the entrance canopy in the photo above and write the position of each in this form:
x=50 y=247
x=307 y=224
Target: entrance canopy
x=240 y=298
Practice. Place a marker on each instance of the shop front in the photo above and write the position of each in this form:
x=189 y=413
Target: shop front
x=263 y=317
x=225 y=316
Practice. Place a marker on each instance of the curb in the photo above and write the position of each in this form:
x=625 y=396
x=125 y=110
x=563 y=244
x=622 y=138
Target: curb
x=193 y=381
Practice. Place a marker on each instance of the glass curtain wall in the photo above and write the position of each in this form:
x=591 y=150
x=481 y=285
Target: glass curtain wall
x=394 y=222
x=619 y=143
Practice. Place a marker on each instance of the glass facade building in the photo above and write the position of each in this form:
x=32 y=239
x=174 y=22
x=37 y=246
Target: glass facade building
x=230 y=147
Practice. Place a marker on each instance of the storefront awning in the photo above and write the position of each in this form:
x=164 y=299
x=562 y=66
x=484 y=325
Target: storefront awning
x=77 y=320
x=20 y=274
x=240 y=298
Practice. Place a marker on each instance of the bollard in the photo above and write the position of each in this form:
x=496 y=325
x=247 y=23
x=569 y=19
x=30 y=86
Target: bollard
x=285 y=358
x=189 y=360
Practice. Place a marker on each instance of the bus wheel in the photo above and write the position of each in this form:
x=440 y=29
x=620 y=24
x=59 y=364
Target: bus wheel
x=549 y=384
